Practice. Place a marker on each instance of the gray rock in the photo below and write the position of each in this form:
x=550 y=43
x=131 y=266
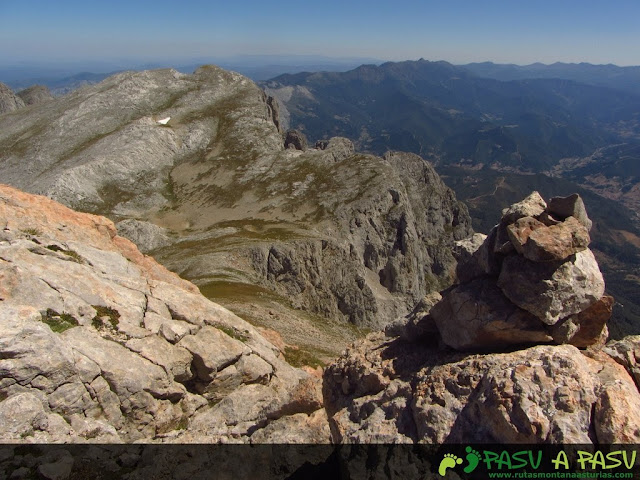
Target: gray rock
x=587 y=328
x=552 y=291
x=212 y=350
x=477 y=316
x=627 y=353
x=295 y=139
x=412 y=393
x=571 y=206
x=126 y=372
x=175 y=360
x=20 y=415
x=145 y=235
x=532 y=206
x=35 y=94
x=9 y=101
x=340 y=148
x=296 y=429
x=474 y=256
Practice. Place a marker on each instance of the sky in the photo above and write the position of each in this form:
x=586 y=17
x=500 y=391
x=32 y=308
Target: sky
x=458 y=31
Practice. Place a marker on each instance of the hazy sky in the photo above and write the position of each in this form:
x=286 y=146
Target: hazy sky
x=459 y=31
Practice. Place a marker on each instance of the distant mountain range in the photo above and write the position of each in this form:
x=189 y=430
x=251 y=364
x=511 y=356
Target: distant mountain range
x=612 y=76
x=63 y=78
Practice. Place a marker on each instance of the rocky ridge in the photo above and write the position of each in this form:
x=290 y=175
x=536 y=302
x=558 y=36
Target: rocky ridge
x=101 y=343
x=35 y=94
x=9 y=101
x=216 y=197
x=530 y=298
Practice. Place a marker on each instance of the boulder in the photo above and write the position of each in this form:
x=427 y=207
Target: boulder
x=627 y=353
x=553 y=243
x=295 y=140
x=477 y=316
x=532 y=206
x=520 y=231
x=571 y=206
x=551 y=290
x=586 y=328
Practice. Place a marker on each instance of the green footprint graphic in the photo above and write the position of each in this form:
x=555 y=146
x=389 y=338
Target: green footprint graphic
x=449 y=461
x=473 y=457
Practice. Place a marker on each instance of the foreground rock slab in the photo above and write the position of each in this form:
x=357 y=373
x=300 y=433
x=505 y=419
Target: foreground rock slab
x=100 y=343
x=393 y=390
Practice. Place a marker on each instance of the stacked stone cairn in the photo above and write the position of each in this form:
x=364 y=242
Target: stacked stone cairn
x=532 y=280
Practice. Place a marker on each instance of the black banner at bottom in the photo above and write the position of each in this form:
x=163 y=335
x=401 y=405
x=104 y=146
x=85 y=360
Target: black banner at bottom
x=310 y=462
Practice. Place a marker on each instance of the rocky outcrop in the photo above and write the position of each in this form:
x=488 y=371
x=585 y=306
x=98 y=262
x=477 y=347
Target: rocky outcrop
x=9 y=101
x=394 y=390
x=35 y=95
x=100 y=343
x=532 y=280
x=408 y=385
x=295 y=139
x=389 y=243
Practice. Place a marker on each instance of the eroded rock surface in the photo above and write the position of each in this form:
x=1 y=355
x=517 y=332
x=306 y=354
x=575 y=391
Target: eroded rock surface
x=9 y=101
x=100 y=343
x=417 y=382
x=393 y=390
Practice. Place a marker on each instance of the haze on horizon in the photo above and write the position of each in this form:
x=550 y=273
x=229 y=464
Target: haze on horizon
x=460 y=31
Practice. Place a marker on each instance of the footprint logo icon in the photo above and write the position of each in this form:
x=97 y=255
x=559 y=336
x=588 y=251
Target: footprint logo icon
x=473 y=457
x=449 y=461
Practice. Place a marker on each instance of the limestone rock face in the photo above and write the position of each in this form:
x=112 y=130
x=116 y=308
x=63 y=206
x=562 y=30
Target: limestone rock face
x=35 y=94
x=552 y=291
x=99 y=343
x=9 y=101
x=395 y=390
x=530 y=281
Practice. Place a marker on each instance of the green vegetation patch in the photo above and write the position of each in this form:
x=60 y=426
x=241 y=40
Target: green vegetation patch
x=300 y=358
x=75 y=256
x=59 y=322
x=233 y=333
x=31 y=231
x=233 y=290
x=102 y=312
